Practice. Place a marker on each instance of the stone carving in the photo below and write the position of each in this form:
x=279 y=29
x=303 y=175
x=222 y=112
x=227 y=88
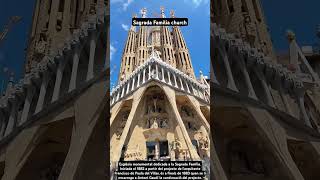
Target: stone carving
x=40 y=46
x=186 y=111
x=204 y=142
x=163 y=123
x=157 y=122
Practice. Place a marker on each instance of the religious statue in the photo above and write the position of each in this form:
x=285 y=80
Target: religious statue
x=155 y=124
x=41 y=44
x=204 y=142
x=164 y=123
x=155 y=98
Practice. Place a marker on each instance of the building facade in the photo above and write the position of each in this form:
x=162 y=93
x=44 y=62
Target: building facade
x=47 y=131
x=245 y=20
x=265 y=113
x=53 y=21
x=159 y=109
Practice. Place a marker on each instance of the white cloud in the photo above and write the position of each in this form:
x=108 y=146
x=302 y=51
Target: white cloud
x=112 y=51
x=125 y=27
x=197 y=3
x=126 y=4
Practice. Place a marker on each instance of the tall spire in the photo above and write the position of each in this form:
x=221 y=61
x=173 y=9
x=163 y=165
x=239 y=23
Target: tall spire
x=128 y=56
x=142 y=46
x=133 y=28
x=183 y=59
x=167 y=50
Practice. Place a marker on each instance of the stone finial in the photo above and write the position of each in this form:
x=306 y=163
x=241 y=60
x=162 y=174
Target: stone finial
x=162 y=11
x=291 y=35
x=144 y=12
x=172 y=13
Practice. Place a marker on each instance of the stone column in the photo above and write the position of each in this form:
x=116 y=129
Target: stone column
x=231 y=84
x=43 y=91
x=300 y=99
x=157 y=72
x=128 y=87
x=57 y=85
x=251 y=92
x=27 y=104
x=138 y=82
x=213 y=76
x=123 y=90
x=12 y=118
x=90 y=73
x=172 y=100
x=266 y=89
x=285 y=100
x=74 y=73
x=187 y=86
x=175 y=80
x=169 y=80
x=113 y=99
x=144 y=76
x=118 y=94
x=181 y=83
x=136 y=101
x=162 y=73
x=133 y=81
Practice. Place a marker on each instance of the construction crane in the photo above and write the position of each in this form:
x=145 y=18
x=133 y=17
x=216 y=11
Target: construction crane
x=13 y=20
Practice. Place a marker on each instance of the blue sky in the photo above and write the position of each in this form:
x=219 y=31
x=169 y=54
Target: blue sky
x=300 y=16
x=12 y=52
x=197 y=34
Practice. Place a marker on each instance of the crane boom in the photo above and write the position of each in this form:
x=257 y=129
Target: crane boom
x=13 y=20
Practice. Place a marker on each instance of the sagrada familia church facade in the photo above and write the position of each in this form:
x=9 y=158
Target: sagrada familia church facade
x=159 y=109
x=263 y=122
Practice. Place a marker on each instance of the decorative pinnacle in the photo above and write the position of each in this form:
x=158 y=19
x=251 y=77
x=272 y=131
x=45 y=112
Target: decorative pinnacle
x=172 y=13
x=162 y=11
x=144 y=12
x=290 y=35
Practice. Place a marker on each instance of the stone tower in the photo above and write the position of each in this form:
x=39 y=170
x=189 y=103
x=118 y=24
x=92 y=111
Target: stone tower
x=142 y=49
x=159 y=110
x=52 y=22
x=245 y=19
x=129 y=56
x=167 y=42
x=183 y=59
